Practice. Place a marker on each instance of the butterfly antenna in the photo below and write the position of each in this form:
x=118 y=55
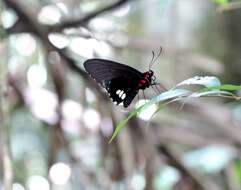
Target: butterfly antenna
x=152 y=59
x=159 y=53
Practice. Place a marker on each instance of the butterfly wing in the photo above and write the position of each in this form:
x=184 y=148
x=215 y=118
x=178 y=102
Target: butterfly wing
x=122 y=90
x=119 y=80
x=101 y=70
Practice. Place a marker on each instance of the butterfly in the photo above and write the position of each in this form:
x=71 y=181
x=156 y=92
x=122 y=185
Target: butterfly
x=122 y=82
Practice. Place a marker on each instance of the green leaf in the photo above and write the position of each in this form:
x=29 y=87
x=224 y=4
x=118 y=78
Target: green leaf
x=123 y=123
x=228 y=87
x=212 y=87
x=207 y=81
x=237 y=171
x=161 y=106
x=161 y=97
x=221 y=2
x=209 y=93
x=173 y=93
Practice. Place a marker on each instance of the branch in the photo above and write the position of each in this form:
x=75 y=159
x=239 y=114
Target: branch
x=20 y=26
x=199 y=182
x=150 y=149
x=41 y=31
x=87 y=18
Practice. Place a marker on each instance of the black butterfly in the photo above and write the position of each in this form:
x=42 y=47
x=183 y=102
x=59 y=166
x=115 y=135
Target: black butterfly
x=122 y=82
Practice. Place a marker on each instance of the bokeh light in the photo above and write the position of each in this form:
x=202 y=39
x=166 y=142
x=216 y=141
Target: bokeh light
x=210 y=159
x=106 y=126
x=37 y=75
x=72 y=110
x=58 y=40
x=8 y=18
x=167 y=178
x=90 y=96
x=118 y=39
x=87 y=47
x=60 y=173
x=89 y=6
x=62 y=8
x=103 y=49
x=123 y=11
x=37 y=183
x=72 y=114
x=102 y=24
x=18 y=186
x=42 y=103
x=91 y=119
x=138 y=182
x=15 y=64
x=25 y=44
x=49 y=14
x=147 y=113
x=82 y=46
x=87 y=151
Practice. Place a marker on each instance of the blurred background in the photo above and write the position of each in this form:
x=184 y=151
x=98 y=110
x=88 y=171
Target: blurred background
x=56 y=122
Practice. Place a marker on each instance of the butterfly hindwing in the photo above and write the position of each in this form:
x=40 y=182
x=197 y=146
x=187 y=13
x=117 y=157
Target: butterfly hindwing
x=122 y=90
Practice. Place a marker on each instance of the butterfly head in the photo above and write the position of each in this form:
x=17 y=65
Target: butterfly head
x=152 y=77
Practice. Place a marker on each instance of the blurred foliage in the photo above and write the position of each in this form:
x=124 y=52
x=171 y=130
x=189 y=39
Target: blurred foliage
x=60 y=122
x=221 y=2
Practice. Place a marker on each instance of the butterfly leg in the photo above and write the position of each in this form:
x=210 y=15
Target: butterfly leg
x=156 y=90
x=144 y=95
x=160 y=87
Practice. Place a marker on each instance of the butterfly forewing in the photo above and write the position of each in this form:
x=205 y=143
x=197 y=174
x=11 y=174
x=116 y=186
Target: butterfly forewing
x=101 y=69
x=119 y=80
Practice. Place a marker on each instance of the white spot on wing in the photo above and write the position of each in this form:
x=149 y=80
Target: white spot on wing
x=118 y=91
x=121 y=93
x=123 y=96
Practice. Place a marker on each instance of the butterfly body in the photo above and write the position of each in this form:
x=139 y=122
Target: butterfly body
x=122 y=82
x=146 y=81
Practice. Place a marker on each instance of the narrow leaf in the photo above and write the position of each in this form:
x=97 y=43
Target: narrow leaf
x=208 y=93
x=161 y=97
x=228 y=87
x=221 y=2
x=207 y=81
x=123 y=123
